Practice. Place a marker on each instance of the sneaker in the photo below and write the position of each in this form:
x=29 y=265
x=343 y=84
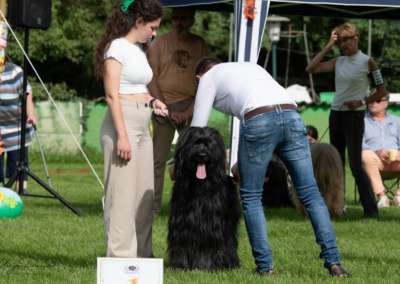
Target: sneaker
x=396 y=200
x=383 y=202
x=267 y=273
x=337 y=270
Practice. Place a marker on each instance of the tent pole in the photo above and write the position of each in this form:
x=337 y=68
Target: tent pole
x=310 y=77
x=369 y=37
x=231 y=32
x=288 y=56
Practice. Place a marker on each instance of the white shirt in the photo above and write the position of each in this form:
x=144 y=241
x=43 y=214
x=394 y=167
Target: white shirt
x=236 y=88
x=136 y=72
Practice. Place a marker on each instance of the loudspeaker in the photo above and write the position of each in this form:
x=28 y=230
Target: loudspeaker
x=35 y=14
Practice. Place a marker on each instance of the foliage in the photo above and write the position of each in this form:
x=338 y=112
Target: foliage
x=63 y=53
x=59 y=91
x=215 y=29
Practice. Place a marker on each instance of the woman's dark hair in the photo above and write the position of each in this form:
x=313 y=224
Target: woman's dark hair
x=312 y=131
x=205 y=64
x=120 y=23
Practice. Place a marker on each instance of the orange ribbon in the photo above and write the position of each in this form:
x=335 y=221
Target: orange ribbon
x=250 y=10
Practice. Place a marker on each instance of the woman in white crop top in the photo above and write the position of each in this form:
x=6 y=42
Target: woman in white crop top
x=346 y=119
x=127 y=145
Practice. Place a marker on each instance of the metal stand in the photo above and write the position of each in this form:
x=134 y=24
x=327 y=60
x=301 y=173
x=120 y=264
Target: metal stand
x=22 y=167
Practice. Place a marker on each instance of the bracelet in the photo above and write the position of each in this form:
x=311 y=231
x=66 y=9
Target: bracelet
x=151 y=102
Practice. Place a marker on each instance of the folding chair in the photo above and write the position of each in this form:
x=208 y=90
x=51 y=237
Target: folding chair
x=391 y=181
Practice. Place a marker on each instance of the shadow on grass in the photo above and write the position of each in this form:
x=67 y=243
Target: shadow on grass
x=362 y=258
x=39 y=260
x=86 y=208
x=353 y=213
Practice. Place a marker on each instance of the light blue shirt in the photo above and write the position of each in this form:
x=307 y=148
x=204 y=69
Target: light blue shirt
x=383 y=134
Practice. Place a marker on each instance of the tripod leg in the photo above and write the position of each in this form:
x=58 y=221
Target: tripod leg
x=53 y=192
x=13 y=178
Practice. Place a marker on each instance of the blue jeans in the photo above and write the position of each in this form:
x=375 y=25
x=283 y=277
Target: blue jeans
x=281 y=131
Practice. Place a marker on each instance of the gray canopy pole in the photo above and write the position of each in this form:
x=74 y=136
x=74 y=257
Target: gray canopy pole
x=310 y=76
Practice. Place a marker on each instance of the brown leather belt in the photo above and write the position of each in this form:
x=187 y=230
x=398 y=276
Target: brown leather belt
x=265 y=109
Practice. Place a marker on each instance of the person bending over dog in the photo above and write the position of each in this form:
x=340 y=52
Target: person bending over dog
x=269 y=122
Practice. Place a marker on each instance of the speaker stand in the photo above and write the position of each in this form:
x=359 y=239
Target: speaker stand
x=22 y=165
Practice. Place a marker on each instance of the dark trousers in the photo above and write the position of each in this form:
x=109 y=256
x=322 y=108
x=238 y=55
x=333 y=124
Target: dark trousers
x=346 y=130
x=10 y=164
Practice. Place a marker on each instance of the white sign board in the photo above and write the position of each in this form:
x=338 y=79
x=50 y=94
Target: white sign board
x=129 y=270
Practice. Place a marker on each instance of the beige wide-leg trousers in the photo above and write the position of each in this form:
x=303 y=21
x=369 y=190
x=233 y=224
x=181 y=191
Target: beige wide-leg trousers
x=129 y=186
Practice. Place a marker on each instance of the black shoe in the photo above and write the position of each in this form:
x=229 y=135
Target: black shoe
x=337 y=270
x=371 y=215
x=267 y=273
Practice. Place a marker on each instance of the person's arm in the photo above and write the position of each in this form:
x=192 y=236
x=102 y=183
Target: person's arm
x=158 y=106
x=364 y=140
x=204 y=101
x=111 y=79
x=30 y=112
x=315 y=65
x=380 y=90
x=154 y=58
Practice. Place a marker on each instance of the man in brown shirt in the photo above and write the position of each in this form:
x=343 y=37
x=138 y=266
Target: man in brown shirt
x=173 y=58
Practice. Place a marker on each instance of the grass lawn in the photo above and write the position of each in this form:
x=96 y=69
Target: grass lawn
x=49 y=244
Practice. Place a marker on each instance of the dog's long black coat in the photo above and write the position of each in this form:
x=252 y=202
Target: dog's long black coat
x=204 y=215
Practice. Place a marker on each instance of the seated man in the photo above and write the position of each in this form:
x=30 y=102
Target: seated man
x=380 y=149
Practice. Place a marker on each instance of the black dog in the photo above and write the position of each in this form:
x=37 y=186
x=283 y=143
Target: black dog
x=205 y=208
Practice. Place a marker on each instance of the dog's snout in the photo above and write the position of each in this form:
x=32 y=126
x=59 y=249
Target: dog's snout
x=201 y=157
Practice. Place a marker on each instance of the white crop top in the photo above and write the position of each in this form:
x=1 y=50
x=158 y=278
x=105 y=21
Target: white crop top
x=136 y=72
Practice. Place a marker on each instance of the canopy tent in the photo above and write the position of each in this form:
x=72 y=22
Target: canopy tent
x=369 y=9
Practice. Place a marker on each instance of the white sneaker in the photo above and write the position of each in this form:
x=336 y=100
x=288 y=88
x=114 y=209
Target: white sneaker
x=396 y=200
x=383 y=202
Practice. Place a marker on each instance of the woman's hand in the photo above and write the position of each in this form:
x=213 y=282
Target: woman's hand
x=333 y=39
x=160 y=108
x=353 y=104
x=178 y=117
x=31 y=119
x=124 y=150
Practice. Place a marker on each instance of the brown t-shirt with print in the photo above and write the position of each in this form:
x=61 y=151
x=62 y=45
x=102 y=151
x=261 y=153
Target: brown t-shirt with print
x=173 y=62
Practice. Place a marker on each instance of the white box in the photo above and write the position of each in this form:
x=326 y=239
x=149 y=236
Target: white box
x=112 y=270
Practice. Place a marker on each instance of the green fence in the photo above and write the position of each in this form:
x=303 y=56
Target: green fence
x=85 y=121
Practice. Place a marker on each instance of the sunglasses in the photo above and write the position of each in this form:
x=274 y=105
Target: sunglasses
x=379 y=101
x=344 y=39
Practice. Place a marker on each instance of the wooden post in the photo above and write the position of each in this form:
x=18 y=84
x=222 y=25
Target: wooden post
x=3 y=8
x=310 y=77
